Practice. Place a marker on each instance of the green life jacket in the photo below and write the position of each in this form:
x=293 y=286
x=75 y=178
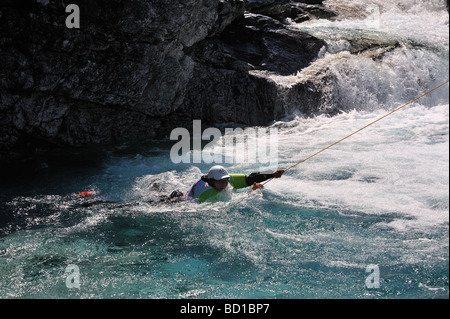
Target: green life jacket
x=236 y=180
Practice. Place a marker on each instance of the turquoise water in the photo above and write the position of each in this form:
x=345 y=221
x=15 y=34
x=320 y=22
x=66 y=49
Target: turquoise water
x=381 y=198
x=238 y=252
x=310 y=234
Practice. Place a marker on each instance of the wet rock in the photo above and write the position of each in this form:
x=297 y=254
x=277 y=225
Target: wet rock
x=116 y=77
x=137 y=69
x=296 y=11
x=233 y=74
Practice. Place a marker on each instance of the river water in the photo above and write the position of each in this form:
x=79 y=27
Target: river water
x=368 y=218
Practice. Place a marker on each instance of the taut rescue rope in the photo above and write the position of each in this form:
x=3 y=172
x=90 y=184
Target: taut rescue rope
x=363 y=128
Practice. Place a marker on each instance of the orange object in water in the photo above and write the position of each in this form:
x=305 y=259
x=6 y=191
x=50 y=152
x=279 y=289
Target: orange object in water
x=86 y=194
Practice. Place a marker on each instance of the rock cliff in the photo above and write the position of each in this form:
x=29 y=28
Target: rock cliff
x=137 y=69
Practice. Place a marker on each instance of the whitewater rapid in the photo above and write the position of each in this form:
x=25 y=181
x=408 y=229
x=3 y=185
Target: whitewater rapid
x=379 y=198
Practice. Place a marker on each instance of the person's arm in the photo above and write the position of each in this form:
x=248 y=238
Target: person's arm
x=241 y=180
x=259 y=178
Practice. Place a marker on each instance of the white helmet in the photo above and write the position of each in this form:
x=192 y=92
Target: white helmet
x=218 y=173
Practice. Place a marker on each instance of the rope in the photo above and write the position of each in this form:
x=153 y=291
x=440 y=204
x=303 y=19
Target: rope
x=363 y=128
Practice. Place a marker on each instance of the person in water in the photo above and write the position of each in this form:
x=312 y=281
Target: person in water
x=208 y=186
x=218 y=179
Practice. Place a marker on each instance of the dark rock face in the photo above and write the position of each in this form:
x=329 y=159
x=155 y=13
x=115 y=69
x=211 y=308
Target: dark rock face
x=137 y=69
x=232 y=77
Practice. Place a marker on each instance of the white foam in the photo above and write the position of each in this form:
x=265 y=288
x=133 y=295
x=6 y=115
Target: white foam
x=415 y=37
x=397 y=166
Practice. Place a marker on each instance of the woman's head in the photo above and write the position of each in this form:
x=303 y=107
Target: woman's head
x=219 y=177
